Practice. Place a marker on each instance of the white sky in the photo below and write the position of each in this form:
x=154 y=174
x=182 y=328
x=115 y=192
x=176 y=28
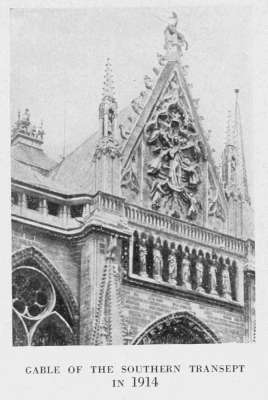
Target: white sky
x=58 y=56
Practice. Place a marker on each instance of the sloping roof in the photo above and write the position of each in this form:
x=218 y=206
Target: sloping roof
x=32 y=156
x=76 y=170
x=21 y=172
x=75 y=173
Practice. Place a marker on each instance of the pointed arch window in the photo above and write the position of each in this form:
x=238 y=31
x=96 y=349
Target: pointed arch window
x=40 y=316
x=177 y=328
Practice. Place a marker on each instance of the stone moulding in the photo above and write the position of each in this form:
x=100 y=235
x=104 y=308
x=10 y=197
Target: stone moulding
x=177 y=291
x=179 y=317
x=45 y=266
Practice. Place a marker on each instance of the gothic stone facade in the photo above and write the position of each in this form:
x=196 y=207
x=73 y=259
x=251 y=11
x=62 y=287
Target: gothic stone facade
x=136 y=237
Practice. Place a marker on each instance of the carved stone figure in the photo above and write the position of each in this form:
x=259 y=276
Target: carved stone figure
x=172 y=267
x=213 y=278
x=24 y=126
x=148 y=82
x=161 y=59
x=199 y=274
x=186 y=273
x=33 y=131
x=158 y=262
x=173 y=38
x=26 y=117
x=226 y=283
x=174 y=165
x=143 y=255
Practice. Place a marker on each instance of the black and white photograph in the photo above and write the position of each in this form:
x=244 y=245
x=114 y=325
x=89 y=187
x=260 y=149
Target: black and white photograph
x=132 y=185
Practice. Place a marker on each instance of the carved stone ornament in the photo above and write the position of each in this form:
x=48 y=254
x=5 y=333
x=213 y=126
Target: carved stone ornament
x=107 y=145
x=143 y=255
x=186 y=273
x=24 y=126
x=172 y=267
x=226 y=283
x=213 y=278
x=215 y=207
x=176 y=155
x=129 y=178
x=199 y=274
x=158 y=262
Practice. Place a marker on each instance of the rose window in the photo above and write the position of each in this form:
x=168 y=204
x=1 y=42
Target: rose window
x=32 y=293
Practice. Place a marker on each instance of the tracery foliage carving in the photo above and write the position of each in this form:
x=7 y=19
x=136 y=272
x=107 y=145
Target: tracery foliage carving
x=176 y=156
x=130 y=176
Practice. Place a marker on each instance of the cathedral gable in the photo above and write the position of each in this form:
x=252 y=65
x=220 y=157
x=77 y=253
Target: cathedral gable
x=166 y=167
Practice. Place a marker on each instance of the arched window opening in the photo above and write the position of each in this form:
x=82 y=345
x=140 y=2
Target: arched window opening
x=36 y=303
x=178 y=328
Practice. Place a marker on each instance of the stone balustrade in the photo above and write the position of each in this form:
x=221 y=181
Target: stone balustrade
x=68 y=216
x=50 y=212
x=108 y=202
x=146 y=218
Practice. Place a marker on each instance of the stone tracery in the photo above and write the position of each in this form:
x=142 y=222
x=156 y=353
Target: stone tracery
x=36 y=306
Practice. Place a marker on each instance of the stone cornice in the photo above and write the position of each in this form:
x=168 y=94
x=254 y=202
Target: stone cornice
x=177 y=291
x=112 y=212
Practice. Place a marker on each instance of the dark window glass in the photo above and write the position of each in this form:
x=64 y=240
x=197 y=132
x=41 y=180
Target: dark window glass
x=53 y=208
x=32 y=202
x=77 y=211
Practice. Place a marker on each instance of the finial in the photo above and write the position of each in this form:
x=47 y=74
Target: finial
x=108 y=84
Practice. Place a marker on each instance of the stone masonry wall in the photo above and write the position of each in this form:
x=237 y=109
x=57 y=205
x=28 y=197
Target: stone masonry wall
x=58 y=251
x=143 y=306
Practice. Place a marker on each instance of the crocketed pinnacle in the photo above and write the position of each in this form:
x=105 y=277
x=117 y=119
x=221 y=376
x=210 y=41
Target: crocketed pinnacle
x=238 y=136
x=234 y=138
x=108 y=84
x=228 y=132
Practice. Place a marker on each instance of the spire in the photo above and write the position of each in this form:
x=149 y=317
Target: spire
x=108 y=105
x=228 y=132
x=108 y=84
x=107 y=155
x=238 y=135
x=233 y=160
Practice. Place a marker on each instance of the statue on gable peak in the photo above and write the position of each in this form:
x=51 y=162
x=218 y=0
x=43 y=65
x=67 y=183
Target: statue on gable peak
x=174 y=40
